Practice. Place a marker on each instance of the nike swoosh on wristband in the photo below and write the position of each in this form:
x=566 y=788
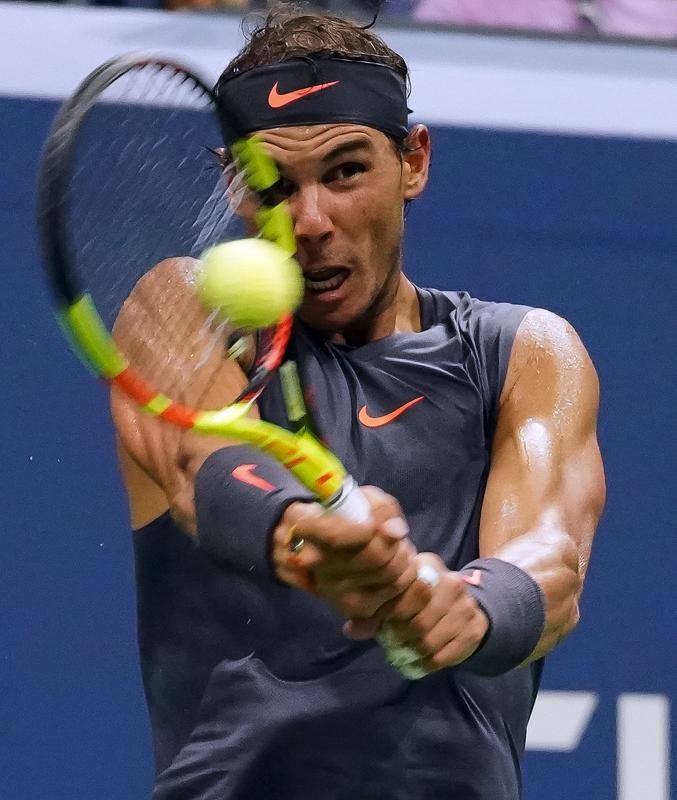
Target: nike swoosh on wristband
x=278 y=100
x=474 y=579
x=377 y=422
x=245 y=474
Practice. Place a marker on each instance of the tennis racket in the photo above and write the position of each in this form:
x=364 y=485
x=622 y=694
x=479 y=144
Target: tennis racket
x=129 y=179
x=132 y=175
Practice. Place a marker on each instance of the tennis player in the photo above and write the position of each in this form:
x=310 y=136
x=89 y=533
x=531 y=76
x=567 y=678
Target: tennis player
x=476 y=420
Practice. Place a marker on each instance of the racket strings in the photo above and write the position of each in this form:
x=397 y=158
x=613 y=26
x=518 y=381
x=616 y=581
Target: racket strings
x=146 y=190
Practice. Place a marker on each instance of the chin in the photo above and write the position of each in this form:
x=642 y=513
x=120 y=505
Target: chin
x=326 y=323
x=327 y=320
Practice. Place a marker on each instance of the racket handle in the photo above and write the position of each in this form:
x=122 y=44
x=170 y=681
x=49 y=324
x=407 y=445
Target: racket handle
x=350 y=502
x=353 y=505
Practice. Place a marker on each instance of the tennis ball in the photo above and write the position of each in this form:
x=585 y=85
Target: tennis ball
x=250 y=282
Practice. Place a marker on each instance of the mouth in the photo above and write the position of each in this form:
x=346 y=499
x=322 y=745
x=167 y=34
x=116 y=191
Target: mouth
x=325 y=279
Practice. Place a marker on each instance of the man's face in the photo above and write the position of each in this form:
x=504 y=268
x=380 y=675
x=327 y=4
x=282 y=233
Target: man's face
x=346 y=188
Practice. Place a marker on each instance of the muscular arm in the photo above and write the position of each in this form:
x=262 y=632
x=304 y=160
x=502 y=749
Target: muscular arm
x=545 y=491
x=164 y=330
x=544 y=496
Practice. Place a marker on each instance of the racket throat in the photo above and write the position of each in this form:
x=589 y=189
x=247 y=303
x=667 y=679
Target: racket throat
x=350 y=502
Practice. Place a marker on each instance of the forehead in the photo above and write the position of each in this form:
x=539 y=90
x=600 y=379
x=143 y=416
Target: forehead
x=312 y=145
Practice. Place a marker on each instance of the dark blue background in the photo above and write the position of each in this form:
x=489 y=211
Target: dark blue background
x=585 y=227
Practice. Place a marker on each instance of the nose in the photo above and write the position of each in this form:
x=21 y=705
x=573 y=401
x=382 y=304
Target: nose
x=311 y=220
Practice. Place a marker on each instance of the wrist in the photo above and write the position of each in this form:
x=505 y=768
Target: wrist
x=240 y=497
x=514 y=607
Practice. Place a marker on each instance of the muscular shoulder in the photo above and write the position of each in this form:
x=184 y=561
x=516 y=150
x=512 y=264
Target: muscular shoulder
x=549 y=359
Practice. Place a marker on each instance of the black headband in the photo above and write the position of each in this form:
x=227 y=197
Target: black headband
x=313 y=91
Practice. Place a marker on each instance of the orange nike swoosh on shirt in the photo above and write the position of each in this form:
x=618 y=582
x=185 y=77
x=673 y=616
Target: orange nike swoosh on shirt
x=245 y=474
x=377 y=422
x=474 y=579
x=277 y=100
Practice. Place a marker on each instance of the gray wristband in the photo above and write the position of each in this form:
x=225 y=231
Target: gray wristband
x=515 y=607
x=240 y=496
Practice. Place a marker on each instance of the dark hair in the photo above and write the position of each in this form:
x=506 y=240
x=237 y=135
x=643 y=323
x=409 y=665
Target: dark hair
x=287 y=32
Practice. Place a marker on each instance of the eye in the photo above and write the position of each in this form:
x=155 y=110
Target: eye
x=345 y=172
x=282 y=190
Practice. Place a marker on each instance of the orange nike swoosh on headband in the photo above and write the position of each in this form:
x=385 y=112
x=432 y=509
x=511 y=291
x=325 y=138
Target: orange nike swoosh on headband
x=377 y=422
x=277 y=100
x=245 y=474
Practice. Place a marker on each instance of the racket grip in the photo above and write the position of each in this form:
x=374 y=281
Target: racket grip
x=350 y=502
x=353 y=505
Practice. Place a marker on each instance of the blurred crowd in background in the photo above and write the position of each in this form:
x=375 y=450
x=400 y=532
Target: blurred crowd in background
x=647 y=19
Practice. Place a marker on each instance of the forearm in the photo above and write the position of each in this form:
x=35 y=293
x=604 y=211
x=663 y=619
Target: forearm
x=550 y=556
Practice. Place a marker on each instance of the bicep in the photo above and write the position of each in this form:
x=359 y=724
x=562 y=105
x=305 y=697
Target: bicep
x=546 y=475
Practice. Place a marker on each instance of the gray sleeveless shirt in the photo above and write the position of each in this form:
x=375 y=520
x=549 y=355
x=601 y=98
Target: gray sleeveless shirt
x=253 y=690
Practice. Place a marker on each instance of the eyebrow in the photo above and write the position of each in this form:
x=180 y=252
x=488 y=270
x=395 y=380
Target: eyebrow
x=345 y=149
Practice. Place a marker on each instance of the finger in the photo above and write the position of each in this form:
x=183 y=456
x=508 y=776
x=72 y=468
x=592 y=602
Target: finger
x=430 y=564
x=357 y=604
x=448 y=629
x=429 y=570
x=415 y=630
x=449 y=604
x=297 y=511
x=454 y=652
x=331 y=530
x=374 y=566
x=411 y=602
x=411 y=597
x=386 y=513
x=366 y=628
x=375 y=554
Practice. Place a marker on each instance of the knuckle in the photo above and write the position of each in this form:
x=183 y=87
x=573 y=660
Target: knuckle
x=409 y=605
x=422 y=592
x=418 y=627
x=381 y=502
x=479 y=626
x=299 y=512
x=433 y=560
x=377 y=600
x=329 y=536
x=472 y=611
x=453 y=585
x=391 y=506
x=426 y=645
x=402 y=582
x=377 y=556
x=376 y=498
x=399 y=613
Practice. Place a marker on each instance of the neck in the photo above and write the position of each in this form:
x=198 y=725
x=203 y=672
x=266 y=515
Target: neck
x=395 y=310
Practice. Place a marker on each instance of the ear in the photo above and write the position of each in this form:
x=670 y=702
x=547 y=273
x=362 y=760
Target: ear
x=416 y=162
